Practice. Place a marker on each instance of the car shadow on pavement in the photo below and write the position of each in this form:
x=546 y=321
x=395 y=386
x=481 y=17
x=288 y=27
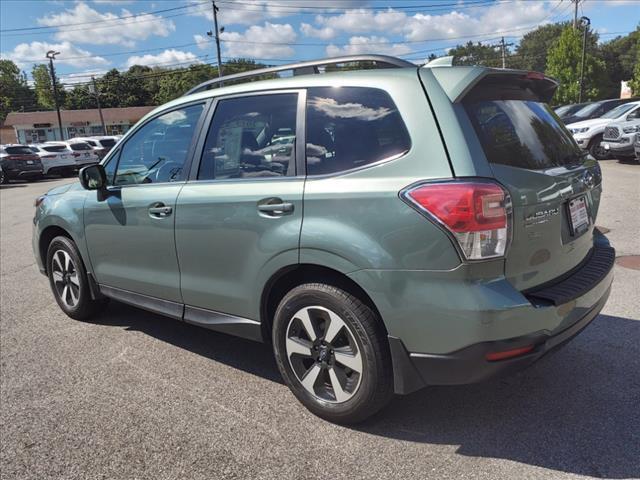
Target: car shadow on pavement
x=577 y=410
x=252 y=357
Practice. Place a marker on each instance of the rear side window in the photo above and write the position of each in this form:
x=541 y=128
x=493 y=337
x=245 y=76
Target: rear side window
x=18 y=150
x=80 y=146
x=522 y=134
x=108 y=142
x=350 y=127
x=251 y=137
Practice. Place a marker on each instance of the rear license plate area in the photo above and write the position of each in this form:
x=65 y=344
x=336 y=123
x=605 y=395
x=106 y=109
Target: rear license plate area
x=578 y=215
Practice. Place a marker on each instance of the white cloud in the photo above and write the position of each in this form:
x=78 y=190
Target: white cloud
x=371 y=44
x=324 y=33
x=269 y=33
x=113 y=2
x=107 y=29
x=484 y=23
x=203 y=42
x=80 y=77
x=164 y=59
x=26 y=54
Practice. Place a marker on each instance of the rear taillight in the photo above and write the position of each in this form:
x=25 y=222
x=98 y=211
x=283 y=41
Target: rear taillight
x=477 y=214
x=75 y=154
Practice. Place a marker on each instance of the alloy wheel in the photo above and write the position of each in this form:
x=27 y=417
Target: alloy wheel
x=65 y=278
x=323 y=354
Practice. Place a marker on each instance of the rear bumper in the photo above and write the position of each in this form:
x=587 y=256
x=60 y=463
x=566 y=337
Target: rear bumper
x=469 y=364
x=31 y=173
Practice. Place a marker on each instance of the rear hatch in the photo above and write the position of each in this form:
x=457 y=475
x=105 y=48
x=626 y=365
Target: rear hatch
x=555 y=190
x=21 y=158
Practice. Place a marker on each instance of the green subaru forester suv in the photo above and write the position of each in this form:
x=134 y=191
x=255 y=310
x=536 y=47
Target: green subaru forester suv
x=385 y=229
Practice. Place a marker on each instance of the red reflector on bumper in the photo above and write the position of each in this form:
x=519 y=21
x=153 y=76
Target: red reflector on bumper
x=516 y=352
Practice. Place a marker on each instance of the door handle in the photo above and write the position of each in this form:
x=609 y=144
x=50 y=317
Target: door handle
x=160 y=211
x=275 y=207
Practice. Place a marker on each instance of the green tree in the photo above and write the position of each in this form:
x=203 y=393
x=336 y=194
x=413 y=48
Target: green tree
x=43 y=88
x=113 y=89
x=634 y=83
x=138 y=91
x=621 y=57
x=79 y=97
x=476 y=54
x=564 y=62
x=15 y=94
x=531 y=52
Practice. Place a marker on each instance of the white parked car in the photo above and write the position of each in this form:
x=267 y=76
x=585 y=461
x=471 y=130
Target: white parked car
x=589 y=133
x=82 y=152
x=56 y=158
x=101 y=144
x=636 y=147
x=618 y=138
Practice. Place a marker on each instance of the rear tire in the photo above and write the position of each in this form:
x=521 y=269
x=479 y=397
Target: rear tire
x=68 y=279
x=596 y=150
x=332 y=352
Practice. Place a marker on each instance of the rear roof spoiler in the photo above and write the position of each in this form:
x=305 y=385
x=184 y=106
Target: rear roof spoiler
x=463 y=82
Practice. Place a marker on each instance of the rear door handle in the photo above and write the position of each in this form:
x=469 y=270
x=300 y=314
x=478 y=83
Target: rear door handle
x=275 y=209
x=160 y=210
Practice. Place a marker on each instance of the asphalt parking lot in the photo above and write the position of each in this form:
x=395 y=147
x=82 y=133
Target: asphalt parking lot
x=135 y=395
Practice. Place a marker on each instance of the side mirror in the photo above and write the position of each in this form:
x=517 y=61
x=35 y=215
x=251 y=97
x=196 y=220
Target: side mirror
x=93 y=177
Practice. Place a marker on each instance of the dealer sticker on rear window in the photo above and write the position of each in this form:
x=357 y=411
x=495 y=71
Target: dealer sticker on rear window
x=579 y=215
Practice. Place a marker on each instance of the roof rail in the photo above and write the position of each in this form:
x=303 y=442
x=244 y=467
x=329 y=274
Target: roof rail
x=305 y=68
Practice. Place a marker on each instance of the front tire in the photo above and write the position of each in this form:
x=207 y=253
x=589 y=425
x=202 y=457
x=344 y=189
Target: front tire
x=68 y=279
x=596 y=150
x=332 y=352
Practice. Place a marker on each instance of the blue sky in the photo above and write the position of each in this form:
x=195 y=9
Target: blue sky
x=96 y=35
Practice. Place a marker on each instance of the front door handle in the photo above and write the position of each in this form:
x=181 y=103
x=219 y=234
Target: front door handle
x=275 y=207
x=159 y=210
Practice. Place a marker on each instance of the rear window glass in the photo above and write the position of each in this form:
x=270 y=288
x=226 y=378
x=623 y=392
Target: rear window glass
x=18 y=150
x=350 y=127
x=55 y=148
x=80 y=146
x=108 y=142
x=522 y=134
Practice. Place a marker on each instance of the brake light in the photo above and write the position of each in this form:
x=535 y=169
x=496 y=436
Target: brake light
x=75 y=154
x=475 y=213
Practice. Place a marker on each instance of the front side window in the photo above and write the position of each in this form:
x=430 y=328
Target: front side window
x=350 y=127
x=157 y=152
x=251 y=137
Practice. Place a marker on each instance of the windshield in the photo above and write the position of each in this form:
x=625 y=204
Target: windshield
x=588 y=110
x=523 y=134
x=620 y=110
x=561 y=110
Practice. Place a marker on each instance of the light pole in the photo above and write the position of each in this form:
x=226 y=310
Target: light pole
x=585 y=22
x=216 y=36
x=93 y=88
x=51 y=55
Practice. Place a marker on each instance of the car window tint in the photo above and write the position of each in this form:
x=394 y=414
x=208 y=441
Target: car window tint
x=251 y=137
x=55 y=148
x=350 y=127
x=108 y=142
x=18 y=150
x=80 y=146
x=157 y=152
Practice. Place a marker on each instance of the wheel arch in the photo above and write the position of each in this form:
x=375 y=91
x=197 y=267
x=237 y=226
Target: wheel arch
x=291 y=276
x=46 y=236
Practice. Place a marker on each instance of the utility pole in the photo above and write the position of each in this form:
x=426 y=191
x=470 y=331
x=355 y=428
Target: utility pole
x=94 y=89
x=51 y=55
x=503 y=47
x=585 y=22
x=575 y=13
x=216 y=36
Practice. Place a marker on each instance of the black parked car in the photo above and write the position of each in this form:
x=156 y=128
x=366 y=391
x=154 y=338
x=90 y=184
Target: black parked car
x=595 y=109
x=19 y=161
x=567 y=110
